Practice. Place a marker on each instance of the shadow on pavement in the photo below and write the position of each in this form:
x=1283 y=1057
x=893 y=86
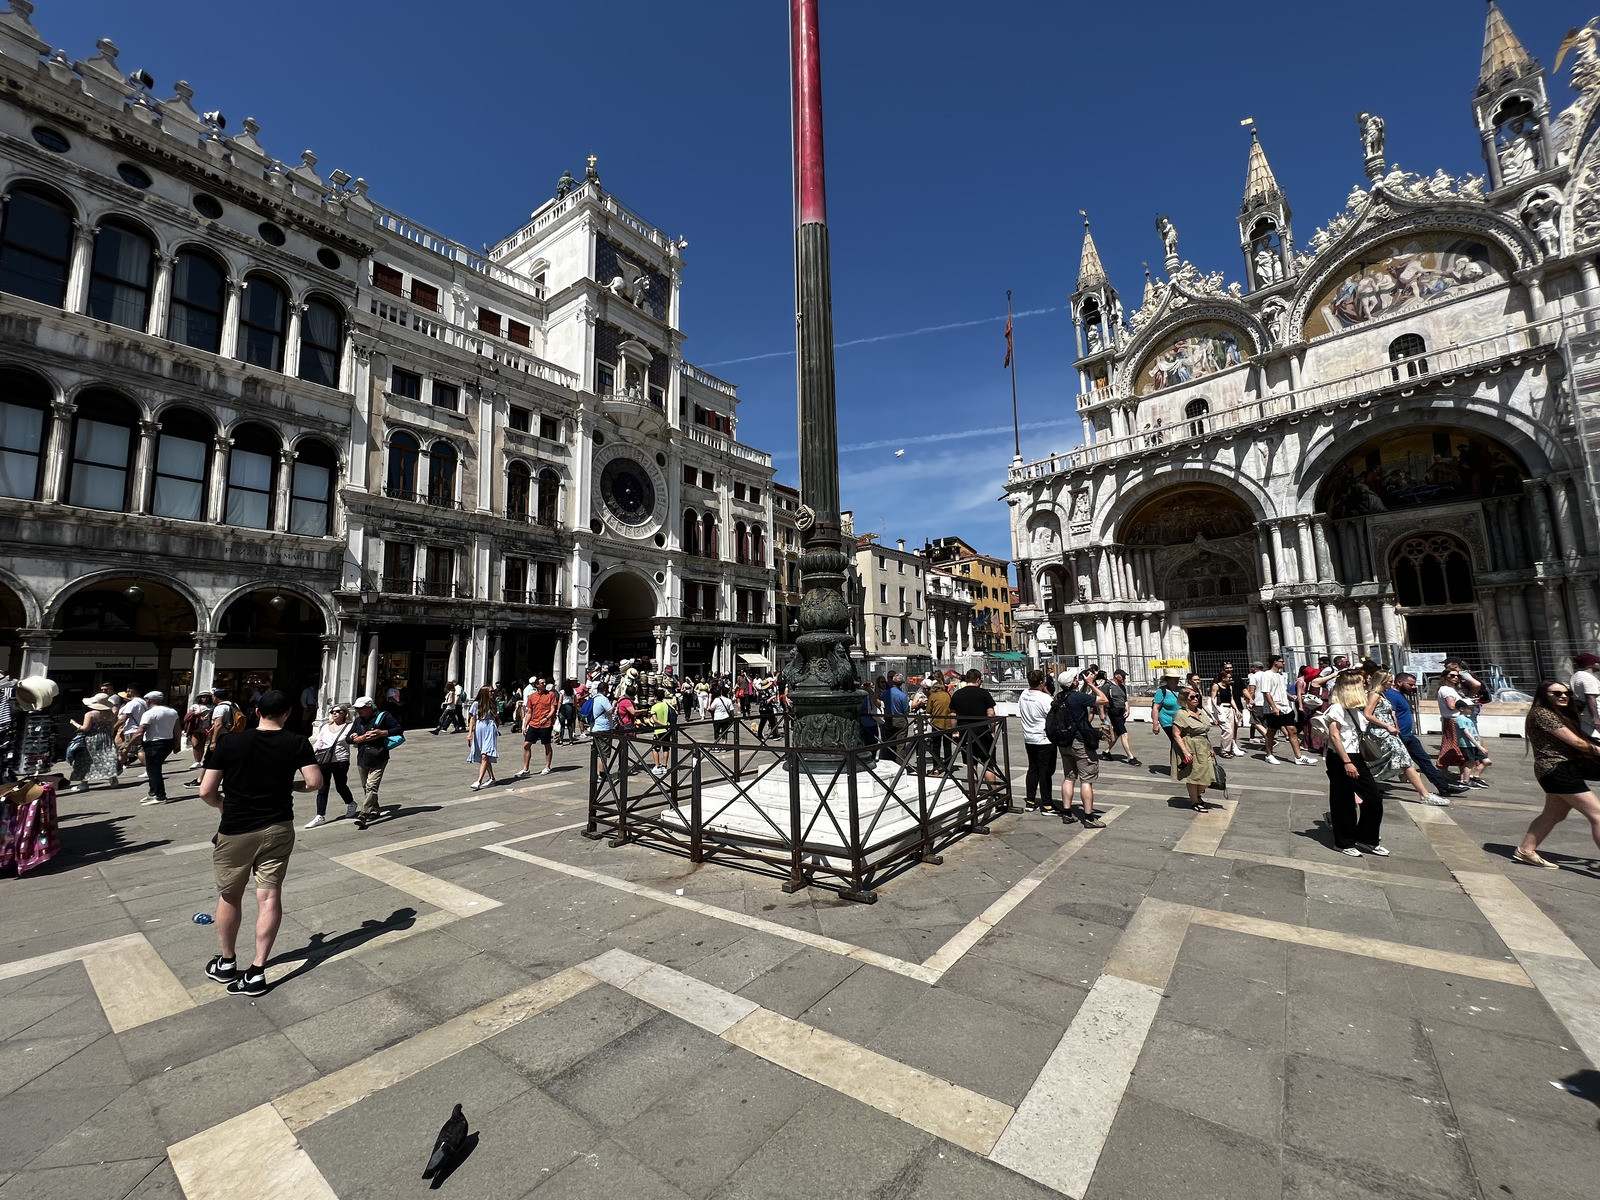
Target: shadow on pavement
x=320 y=947
x=449 y=1168
x=93 y=842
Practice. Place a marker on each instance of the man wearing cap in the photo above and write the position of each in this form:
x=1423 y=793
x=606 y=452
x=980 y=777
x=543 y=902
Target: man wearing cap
x=157 y=729
x=370 y=733
x=538 y=724
x=1585 y=689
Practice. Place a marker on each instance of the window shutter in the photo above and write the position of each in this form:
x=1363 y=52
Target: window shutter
x=519 y=333
x=489 y=321
x=424 y=295
x=387 y=279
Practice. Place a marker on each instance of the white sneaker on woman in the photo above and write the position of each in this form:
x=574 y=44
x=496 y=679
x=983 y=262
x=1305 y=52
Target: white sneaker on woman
x=1275 y=760
x=319 y=819
x=1380 y=851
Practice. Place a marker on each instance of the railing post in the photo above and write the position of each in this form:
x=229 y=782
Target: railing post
x=797 y=876
x=738 y=722
x=923 y=726
x=857 y=890
x=623 y=767
x=696 y=849
x=592 y=830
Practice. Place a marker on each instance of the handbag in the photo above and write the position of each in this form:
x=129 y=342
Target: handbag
x=1220 y=783
x=75 y=747
x=395 y=740
x=1372 y=747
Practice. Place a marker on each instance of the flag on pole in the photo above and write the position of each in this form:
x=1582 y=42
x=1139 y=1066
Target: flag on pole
x=1007 y=363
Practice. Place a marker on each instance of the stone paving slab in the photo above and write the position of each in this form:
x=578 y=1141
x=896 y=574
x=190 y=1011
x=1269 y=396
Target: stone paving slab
x=1271 y=1068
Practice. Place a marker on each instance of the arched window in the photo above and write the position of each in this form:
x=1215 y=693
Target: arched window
x=708 y=536
x=758 y=546
x=741 y=543
x=1408 y=348
x=102 y=451
x=404 y=451
x=36 y=246
x=321 y=343
x=1432 y=570
x=311 y=489
x=263 y=315
x=198 y=298
x=252 y=470
x=183 y=455
x=24 y=421
x=691 y=534
x=549 y=497
x=119 y=281
x=1195 y=413
x=442 y=474
x=519 y=484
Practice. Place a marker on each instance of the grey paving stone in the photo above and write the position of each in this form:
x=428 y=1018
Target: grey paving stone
x=973 y=1043
x=615 y=1083
x=1378 y=1126
x=1213 y=1077
x=1479 y=1004
x=850 y=1152
x=1192 y=879
x=946 y=1172
x=324 y=986
x=1306 y=1177
x=1334 y=974
x=1514 y=1155
x=1268 y=903
x=88 y=1181
x=863 y=1004
x=195 y=1096
x=68 y=980
x=1261 y=959
x=741 y=962
x=123 y=1129
x=1358 y=892
x=1358 y=920
x=24 y=1012
x=1361 y=1035
x=800 y=981
x=1244 y=1009
x=34 y=1123
x=1476 y=938
x=695 y=1137
x=984 y=978
x=99 y=1064
x=26 y=1058
x=606 y=1170
x=191 y=1035
x=1456 y=906
x=547 y=1044
x=336 y=1037
x=1154 y=1152
x=1071 y=952
x=1514 y=1074
x=675 y=937
x=451 y=990
x=160 y=1184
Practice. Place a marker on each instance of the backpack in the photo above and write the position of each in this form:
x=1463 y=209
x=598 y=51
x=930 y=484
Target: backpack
x=587 y=710
x=233 y=723
x=1068 y=721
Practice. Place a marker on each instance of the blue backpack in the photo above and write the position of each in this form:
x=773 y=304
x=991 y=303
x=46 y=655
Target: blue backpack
x=587 y=710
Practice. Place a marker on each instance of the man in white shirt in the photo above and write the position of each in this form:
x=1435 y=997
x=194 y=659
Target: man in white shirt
x=133 y=708
x=1033 y=707
x=1586 y=691
x=158 y=729
x=1272 y=694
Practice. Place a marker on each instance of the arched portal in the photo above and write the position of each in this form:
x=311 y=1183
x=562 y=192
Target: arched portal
x=1182 y=513
x=125 y=632
x=625 y=631
x=1420 y=467
x=270 y=638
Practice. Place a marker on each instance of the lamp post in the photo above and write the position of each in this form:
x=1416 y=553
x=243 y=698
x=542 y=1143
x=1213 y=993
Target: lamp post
x=823 y=692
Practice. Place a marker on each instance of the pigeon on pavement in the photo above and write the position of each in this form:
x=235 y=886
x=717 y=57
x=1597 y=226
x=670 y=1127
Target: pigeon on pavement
x=451 y=1137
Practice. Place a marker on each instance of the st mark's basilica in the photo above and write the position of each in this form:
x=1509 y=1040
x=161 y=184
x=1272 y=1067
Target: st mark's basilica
x=1374 y=443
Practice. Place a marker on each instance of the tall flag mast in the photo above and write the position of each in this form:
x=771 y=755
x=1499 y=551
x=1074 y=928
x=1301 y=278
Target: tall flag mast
x=1011 y=361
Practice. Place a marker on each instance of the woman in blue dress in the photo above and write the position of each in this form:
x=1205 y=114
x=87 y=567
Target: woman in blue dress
x=485 y=749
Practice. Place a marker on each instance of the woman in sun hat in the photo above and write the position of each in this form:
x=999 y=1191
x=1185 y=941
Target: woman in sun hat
x=93 y=755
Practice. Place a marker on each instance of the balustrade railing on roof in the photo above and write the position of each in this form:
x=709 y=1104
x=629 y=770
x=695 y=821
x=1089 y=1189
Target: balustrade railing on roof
x=706 y=379
x=1403 y=375
x=453 y=250
x=430 y=324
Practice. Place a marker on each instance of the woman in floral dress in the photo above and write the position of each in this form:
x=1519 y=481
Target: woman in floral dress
x=1382 y=728
x=97 y=761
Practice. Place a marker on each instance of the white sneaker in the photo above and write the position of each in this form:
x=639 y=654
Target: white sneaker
x=1435 y=800
x=1238 y=753
x=1275 y=760
x=319 y=819
x=521 y=775
x=141 y=777
x=152 y=800
x=349 y=812
x=1306 y=760
x=1353 y=852
x=1380 y=851
x=546 y=771
x=476 y=785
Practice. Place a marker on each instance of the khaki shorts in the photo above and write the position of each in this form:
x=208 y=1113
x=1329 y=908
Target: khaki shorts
x=264 y=851
x=1081 y=763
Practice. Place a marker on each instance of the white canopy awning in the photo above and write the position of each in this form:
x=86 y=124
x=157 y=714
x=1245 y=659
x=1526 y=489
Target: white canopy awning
x=755 y=660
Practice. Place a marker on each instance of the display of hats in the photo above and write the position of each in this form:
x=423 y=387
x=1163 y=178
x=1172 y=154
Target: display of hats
x=36 y=692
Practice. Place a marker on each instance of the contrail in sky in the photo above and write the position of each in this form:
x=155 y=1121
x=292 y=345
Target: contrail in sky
x=888 y=337
x=956 y=435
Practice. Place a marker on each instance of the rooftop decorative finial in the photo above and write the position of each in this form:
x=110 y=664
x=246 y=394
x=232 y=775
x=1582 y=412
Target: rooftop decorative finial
x=1504 y=57
x=1260 y=186
x=1091 y=273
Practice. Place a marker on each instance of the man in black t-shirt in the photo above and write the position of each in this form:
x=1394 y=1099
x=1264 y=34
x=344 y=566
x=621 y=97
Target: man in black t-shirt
x=971 y=705
x=250 y=776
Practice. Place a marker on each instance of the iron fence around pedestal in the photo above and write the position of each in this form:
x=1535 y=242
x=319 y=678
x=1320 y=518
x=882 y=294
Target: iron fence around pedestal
x=848 y=820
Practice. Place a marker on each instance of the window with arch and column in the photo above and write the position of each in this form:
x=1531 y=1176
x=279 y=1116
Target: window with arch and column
x=199 y=300
x=24 y=433
x=741 y=543
x=263 y=321
x=252 y=476
x=690 y=543
x=442 y=463
x=121 y=275
x=316 y=467
x=549 y=498
x=1195 y=413
x=1407 y=350
x=104 y=438
x=1431 y=570
x=321 y=342
x=519 y=488
x=708 y=536
x=182 y=468
x=36 y=245
x=405 y=454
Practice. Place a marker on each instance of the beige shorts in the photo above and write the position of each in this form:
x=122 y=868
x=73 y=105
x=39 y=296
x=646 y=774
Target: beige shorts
x=264 y=852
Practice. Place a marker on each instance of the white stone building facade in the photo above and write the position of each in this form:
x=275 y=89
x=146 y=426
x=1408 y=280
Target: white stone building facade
x=1368 y=445
x=260 y=430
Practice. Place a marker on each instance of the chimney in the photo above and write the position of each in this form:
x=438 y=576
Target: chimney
x=902 y=543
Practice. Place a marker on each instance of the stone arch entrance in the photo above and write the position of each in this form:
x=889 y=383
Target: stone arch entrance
x=626 y=630
x=270 y=638
x=126 y=631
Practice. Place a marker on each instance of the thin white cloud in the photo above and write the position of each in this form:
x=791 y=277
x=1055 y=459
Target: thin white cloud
x=889 y=337
x=957 y=435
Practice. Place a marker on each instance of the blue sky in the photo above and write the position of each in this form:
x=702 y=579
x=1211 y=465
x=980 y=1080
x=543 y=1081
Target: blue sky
x=962 y=140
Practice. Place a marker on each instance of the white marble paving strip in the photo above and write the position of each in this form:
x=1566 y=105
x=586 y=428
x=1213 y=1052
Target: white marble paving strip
x=427 y=888
x=1062 y=1124
x=60 y=958
x=1571 y=987
x=1521 y=924
x=804 y=937
x=1206 y=831
x=186 y=848
x=528 y=837
x=1491 y=969
x=947 y=955
x=322 y=1098
x=253 y=1156
x=135 y=986
x=711 y=1008
x=1148 y=947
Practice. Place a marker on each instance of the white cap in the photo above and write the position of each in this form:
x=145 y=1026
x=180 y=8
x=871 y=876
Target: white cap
x=155 y=697
x=1068 y=678
x=364 y=702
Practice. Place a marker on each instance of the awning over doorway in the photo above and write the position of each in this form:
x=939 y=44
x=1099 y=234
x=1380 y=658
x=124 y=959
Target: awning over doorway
x=755 y=660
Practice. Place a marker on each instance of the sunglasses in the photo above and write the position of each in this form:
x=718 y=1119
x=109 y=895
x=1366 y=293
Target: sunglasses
x=1559 y=693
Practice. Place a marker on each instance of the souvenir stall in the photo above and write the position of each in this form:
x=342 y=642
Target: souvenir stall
x=29 y=832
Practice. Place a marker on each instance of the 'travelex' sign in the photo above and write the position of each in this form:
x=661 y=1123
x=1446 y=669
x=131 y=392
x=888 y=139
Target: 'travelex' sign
x=103 y=662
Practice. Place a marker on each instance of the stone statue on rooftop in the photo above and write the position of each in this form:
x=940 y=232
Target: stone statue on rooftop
x=1371 y=127
x=564 y=185
x=1169 y=235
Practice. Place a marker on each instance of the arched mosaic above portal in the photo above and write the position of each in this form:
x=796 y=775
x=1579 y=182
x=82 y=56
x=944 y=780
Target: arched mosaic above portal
x=1179 y=515
x=1200 y=350
x=1420 y=467
x=1403 y=275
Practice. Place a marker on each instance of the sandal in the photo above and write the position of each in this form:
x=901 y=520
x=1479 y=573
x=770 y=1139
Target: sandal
x=1533 y=860
x=1200 y=806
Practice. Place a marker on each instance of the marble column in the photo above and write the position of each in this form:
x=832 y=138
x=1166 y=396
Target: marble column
x=34 y=645
x=1566 y=527
x=328 y=681
x=160 y=297
x=215 y=501
x=497 y=670
x=369 y=684
x=1586 y=613
x=144 y=466
x=1364 y=621
x=1517 y=602
x=1286 y=619
x=1280 y=561
x=1391 y=624
x=1308 y=562
x=281 y=489
x=1120 y=632
x=1077 y=639
x=83 y=235
x=1334 y=624
x=453 y=666
x=1145 y=645
x=1265 y=552
x=1491 y=617
x=230 y=323
x=204 y=673
x=1324 y=556
x=58 y=452
x=1542 y=520
x=1511 y=534
x=1316 y=635
x=291 y=344
x=1555 y=617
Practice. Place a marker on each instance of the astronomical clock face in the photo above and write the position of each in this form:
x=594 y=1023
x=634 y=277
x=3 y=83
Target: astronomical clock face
x=629 y=495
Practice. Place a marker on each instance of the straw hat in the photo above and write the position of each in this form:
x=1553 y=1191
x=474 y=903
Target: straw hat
x=99 y=702
x=36 y=692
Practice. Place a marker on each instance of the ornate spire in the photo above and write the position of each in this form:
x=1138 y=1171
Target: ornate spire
x=1503 y=55
x=1090 y=272
x=1260 y=187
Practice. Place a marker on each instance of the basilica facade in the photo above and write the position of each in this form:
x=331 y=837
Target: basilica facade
x=1369 y=444
x=257 y=429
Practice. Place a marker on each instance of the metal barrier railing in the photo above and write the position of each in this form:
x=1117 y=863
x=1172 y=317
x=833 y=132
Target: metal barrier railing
x=844 y=819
